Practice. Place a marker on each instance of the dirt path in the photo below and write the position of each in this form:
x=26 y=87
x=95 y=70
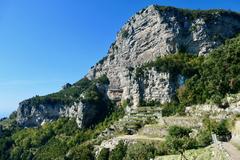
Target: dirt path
x=138 y=137
x=232 y=151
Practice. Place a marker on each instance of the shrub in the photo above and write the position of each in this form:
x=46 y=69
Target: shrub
x=119 y=152
x=180 y=145
x=125 y=33
x=103 y=80
x=53 y=149
x=104 y=154
x=204 y=138
x=162 y=149
x=179 y=132
x=140 y=151
x=81 y=152
x=5 y=146
x=210 y=84
x=222 y=131
x=178 y=140
x=170 y=109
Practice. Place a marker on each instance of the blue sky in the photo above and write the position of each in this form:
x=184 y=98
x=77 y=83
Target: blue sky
x=44 y=44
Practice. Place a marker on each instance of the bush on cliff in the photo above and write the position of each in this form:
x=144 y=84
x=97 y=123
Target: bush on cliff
x=218 y=75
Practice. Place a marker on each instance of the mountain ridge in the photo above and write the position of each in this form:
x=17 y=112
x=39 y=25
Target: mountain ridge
x=152 y=32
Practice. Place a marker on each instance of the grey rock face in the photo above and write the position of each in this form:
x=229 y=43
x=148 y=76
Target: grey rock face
x=151 y=86
x=85 y=113
x=155 y=32
x=33 y=112
x=151 y=33
x=156 y=86
x=30 y=115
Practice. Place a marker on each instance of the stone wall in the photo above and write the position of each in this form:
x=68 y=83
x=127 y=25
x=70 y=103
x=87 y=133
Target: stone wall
x=215 y=111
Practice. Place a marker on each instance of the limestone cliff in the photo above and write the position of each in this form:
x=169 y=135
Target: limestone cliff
x=84 y=101
x=153 y=32
x=157 y=31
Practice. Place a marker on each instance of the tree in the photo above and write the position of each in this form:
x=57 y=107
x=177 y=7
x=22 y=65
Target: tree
x=140 y=151
x=104 y=154
x=82 y=152
x=178 y=140
x=119 y=152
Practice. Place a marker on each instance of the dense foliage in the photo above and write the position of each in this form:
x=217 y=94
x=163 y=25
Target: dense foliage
x=140 y=151
x=119 y=152
x=71 y=94
x=205 y=78
x=219 y=74
x=104 y=154
x=176 y=64
x=207 y=15
x=220 y=128
x=65 y=96
x=179 y=140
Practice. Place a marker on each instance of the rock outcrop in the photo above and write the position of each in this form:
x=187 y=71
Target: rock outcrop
x=31 y=115
x=86 y=111
x=154 y=32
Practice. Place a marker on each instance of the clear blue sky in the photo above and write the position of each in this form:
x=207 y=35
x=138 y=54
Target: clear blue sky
x=46 y=43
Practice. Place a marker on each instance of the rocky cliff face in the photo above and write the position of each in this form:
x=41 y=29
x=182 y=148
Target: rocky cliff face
x=155 y=32
x=86 y=110
x=30 y=116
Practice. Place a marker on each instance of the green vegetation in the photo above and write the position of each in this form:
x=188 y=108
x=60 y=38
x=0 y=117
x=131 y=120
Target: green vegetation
x=104 y=154
x=220 y=128
x=125 y=33
x=179 y=140
x=84 y=152
x=199 y=154
x=72 y=93
x=222 y=131
x=65 y=96
x=207 y=15
x=206 y=79
x=62 y=139
x=170 y=109
x=54 y=140
x=140 y=151
x=175 y=64
x=218 y=75
x=86 y=91
x=137 y=151
x=119 y=152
